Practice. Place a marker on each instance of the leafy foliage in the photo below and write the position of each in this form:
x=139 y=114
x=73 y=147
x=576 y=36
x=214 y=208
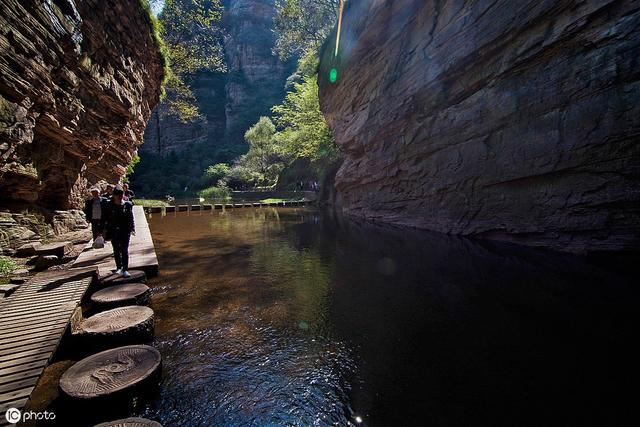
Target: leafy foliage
x=214 y=173
x=299 y=132
x=7 y=266
x=192 y=38
x=218 y=192
x=130 y=167
x=303 y=25
x=264 y=160
x=303 y=131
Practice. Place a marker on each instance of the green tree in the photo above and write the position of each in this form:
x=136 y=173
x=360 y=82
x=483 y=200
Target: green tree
x=301 y=127
x=193 y=38
x=130 y=167
x=303 y=131
x=215 y=173
x=263 y=162
x=301 y=25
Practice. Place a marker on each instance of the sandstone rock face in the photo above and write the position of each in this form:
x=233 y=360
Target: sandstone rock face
x=508 y=120
x=233 y=101
x=78 y=81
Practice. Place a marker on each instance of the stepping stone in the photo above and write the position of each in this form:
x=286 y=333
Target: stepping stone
x=196 y=207
x=45 y=261
x=130 y=422
x=170 y=209
x=207 y=207
x=59 y=249
x=183 y=208
x=137 y=276
x=27 y=250
x=119 y=295
x=21 y=272
x=111 y=372
x=7 y=290
x=132 y=323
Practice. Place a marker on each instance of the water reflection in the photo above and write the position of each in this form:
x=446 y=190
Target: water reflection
x=293 y=317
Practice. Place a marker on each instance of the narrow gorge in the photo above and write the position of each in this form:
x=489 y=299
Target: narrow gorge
x=232 y=101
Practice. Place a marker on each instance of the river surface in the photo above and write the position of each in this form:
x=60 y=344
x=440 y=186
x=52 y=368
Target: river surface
x=269 y=317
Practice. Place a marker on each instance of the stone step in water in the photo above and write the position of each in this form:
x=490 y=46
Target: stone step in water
x=59 y=249
x=130 y=422
x=118 y=326
x=112 y=373
x=137 y=276
x=122 y=295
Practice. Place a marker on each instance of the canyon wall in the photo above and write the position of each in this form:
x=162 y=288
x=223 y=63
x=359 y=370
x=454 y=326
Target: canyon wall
x=78 y=81
x=507 y=120
x=231 y=102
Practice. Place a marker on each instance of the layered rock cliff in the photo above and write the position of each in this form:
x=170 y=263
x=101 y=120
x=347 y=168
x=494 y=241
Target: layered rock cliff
x=233 y=101
x=508 y=120
x=78 y=81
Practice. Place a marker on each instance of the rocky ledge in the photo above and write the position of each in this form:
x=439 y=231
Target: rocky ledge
x=508 y=120
x=78 y=80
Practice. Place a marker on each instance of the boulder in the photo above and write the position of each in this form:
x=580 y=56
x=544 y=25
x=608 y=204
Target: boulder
x=45 y=261
x=27 y=250
x=59 y=249
x=6 y=290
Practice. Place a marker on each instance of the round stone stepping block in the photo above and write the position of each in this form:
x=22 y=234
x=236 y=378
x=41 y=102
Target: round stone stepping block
x=137 y=276
x=120 y=325
x=119 y=295
x=130 y=422
x=112 y=372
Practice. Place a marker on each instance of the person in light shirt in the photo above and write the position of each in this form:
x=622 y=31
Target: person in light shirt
x=93 y=209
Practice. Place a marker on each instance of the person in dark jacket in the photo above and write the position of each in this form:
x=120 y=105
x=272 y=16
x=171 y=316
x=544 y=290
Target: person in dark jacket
x=108 y=192
x=118 y=226
x=93 y=209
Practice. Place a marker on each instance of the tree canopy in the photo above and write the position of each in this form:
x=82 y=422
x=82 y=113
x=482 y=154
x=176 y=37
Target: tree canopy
x=191 y=32
x=303 y=25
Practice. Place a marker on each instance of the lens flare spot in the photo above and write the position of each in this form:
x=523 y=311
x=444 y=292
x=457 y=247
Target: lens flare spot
x=333 y=75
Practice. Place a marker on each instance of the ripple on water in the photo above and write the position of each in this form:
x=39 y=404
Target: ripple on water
x=242 y=372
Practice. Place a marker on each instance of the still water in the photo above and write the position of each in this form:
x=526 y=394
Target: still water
x=297 y=317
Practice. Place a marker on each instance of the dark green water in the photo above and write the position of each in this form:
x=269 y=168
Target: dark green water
x=294 y=317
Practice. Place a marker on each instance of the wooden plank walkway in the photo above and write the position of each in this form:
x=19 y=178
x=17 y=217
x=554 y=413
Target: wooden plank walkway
x=32 y=322
x=142 y=254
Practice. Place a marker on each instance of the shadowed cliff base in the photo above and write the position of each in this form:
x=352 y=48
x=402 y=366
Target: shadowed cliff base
x=501 y=120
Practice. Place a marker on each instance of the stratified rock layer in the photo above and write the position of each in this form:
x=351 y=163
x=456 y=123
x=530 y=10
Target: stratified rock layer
x=508 y=120
x=78 y=80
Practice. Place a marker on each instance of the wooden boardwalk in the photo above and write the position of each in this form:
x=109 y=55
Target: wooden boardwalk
x=32 y=322
x=142 y=254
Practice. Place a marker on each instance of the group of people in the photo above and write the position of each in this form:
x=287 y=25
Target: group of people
x=110 y=214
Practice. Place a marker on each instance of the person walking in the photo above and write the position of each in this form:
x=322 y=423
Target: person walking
x=93 y=208
x=108 y=192
x=128 y=194
x=119 y=225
